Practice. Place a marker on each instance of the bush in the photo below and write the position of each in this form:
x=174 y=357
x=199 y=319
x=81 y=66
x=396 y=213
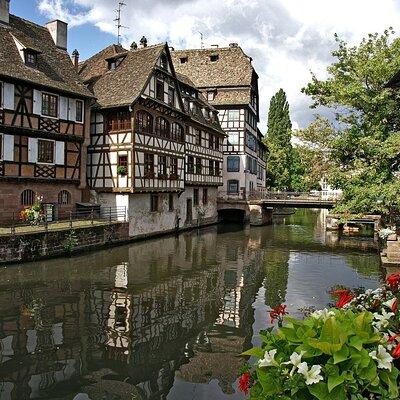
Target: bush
x=346 y=352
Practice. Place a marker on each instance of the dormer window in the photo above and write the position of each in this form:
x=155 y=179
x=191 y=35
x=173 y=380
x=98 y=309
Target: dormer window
x=164 y=62
x=214 y=57
x=30 y=58
x=184 y=60
x=211 y=95
x=115 y=62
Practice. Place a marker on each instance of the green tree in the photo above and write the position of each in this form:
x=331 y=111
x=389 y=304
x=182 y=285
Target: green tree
x=278 y=140
x=362 y=148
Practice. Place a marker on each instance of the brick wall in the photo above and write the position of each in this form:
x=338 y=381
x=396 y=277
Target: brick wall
x=28 y=247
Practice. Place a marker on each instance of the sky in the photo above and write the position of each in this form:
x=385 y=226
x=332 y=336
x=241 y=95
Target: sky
x=286 y=38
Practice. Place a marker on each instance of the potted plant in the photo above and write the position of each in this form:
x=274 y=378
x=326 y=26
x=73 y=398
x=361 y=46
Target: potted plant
x=35 y=213
x=122 y=170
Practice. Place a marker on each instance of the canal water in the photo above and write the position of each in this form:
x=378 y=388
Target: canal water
x=166 y=318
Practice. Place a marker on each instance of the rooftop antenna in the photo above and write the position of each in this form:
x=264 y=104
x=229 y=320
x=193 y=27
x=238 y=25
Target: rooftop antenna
x=201 y=40
x=118 y=20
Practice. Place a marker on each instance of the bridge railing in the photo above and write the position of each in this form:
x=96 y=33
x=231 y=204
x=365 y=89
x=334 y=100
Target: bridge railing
x=264 y=194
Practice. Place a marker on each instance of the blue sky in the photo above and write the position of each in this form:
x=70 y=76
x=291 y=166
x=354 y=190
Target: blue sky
x=285 y=38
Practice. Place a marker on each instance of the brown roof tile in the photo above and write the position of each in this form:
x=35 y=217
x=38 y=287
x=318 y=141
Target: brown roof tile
x=54 y=67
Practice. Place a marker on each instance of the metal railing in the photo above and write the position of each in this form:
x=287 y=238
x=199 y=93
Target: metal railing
x=11 y=223
x=264 y=194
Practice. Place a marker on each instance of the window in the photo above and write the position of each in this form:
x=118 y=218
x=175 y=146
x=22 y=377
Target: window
x=210 y=141
x=197 y=134
x=27 y=197
x=1 y=94
x=49 y=105
x=123 y=162
x=233 y=115
x=184 y=60
x=119 y=121
x=210 y=95
x=64 y=197
x=171 y=202
x=148 y=165
x=162 y=127
x=174 y=168
x=233 y=138
x=211 y=167
x=45 y=152
x=162 y=167
x=205 y=196
x=190 y=164
x=171 y=96
x=1 y=146
x=214 y=57
x=79 y=111
x=199 y=166
x=233 y=186
x=196 y=197
x=164 y=62
x=114 y=63
x=248 y=163
x=217 y=145
x=233 y=164
x=251 y=141
x=177 y=132
x=153 y=202
x=160 y=90
x=144 y=122
x=217 y=169
x=30 y=58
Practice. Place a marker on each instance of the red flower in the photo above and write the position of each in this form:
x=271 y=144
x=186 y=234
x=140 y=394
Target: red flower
x=392 y=338
x=344 y=298
x=244 y=383
x=396 y=352
x=339 y=292
x=393 y=280
x=395 y=306
x=277 y=311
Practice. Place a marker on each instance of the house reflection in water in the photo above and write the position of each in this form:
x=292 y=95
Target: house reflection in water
x=138 y=315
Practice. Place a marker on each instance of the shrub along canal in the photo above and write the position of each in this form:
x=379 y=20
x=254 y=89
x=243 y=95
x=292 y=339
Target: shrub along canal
x=165 y=318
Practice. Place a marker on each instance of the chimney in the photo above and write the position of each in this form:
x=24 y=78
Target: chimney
x=133 y=46
x=58 y=31
x=75 y=58
x=233 y=45
x=4 y=12
x=143 y=42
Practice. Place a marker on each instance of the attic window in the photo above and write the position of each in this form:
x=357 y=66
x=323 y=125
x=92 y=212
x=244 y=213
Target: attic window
x=114 y=63
x=184 y=60
x=164 y=61
x=214 y=57
x=30 y=58
x=211 y=95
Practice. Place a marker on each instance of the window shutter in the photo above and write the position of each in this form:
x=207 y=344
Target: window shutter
x=60 y=153
x=37 y=102
x=8 y=143
x=63 y=107
x=8 y=102
x=32 y=150
x=72 y=109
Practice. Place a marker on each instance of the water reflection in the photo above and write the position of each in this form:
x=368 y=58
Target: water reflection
x=163 y=318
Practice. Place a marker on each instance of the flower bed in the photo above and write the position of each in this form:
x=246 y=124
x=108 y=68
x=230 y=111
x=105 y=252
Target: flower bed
x=350 y=351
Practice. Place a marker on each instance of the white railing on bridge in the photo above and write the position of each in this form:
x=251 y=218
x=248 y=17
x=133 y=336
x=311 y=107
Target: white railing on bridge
x=264 y=194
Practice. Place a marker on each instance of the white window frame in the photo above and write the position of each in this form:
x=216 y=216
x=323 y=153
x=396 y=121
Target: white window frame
x=54 y=152
x=83 y=111
x=58 y=105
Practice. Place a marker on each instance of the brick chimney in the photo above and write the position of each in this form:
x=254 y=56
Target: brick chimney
x=4 y=12
x=75 y=58
x=59 y=32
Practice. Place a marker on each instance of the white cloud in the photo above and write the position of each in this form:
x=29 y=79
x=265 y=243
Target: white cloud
x=286 y=38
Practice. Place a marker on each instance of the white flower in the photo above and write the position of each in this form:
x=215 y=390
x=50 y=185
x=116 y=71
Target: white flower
x=383 y=319
x=383 y=357
x=390 y=302
x=268 y=359
x=322 y=314
x=312 y=375
x=295 y=360
x=368 y=292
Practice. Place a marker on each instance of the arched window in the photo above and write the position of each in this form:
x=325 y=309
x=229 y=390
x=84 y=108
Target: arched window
x=162 y=127
x=27 y=197
x=64 y=197
x=177 y=132
x=144 y=122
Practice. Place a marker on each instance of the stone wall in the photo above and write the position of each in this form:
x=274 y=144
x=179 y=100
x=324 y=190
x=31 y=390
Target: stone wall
x=32 y=246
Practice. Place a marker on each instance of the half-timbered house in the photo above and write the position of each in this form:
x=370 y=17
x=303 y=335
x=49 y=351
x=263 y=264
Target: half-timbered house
x=136 y=157
x=42 y=117
x=229 y=82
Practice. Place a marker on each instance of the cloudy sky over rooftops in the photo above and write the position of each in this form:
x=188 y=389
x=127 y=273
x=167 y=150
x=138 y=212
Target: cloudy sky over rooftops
x=285 y=38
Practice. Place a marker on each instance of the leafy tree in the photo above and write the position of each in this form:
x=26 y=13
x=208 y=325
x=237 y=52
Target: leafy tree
x=278 y=140
x=362 y=148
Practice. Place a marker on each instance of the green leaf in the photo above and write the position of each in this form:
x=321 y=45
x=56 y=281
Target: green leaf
x=341 y=355
x=255 y=351
x=333 y=381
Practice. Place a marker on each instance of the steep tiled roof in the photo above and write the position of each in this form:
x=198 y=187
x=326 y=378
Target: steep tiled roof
x=122 y=85
x=233 y=67
x=232 y=97
x=54 y=67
